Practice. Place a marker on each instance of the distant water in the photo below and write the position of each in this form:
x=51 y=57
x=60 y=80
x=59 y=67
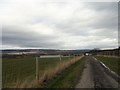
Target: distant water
x=52 y=56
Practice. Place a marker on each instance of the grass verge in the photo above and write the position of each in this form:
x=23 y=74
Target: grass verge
x=69 y=77
x=111 y=62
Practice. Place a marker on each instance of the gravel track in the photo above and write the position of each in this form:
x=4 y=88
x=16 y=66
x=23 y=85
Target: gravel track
x=95 y=75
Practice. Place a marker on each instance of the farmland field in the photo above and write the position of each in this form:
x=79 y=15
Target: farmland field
x=111 y=62
x=19 y=69
x=0 y=73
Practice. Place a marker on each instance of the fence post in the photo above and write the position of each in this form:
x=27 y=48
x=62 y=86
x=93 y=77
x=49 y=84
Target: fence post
x=74 y=57
x=69 y=56
x=37 y=70
x=60 y=59
x=69 y=59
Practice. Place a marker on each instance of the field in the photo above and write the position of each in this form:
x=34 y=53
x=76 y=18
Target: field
x=111 y=62
x=18 y=70
x=0 y=73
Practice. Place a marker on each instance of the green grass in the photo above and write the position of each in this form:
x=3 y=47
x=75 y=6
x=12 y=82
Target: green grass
x=111 y=62
x=69 y=77
x=14 y=69
x=0 y=73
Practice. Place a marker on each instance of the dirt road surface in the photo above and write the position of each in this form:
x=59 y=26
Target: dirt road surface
x=96 y=75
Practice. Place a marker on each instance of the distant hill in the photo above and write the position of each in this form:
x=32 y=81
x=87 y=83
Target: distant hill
x=43 y=51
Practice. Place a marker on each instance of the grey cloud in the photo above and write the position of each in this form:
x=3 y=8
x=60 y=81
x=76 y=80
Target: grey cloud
x=14 y=36
x=100 y=46
x=102 y=6
x=106 y=18
x=102 y=25
x=105 y=21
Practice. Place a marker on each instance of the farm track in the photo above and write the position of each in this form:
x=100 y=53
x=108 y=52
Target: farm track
x=95 y=75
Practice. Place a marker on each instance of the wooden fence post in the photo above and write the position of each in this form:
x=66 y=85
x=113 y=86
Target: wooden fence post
x=74 y=57
x=60 y=60
x=37 y=70
x=69 y=59
x=69 y=56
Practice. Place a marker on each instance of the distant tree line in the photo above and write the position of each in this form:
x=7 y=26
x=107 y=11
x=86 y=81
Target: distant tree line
x=109 y=52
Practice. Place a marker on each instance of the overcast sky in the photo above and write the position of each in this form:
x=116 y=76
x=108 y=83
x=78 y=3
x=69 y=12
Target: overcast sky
x=61 y=24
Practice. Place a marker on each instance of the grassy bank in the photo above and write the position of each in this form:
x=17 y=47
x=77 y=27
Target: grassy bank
x=111 y=62
x=69 y=77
